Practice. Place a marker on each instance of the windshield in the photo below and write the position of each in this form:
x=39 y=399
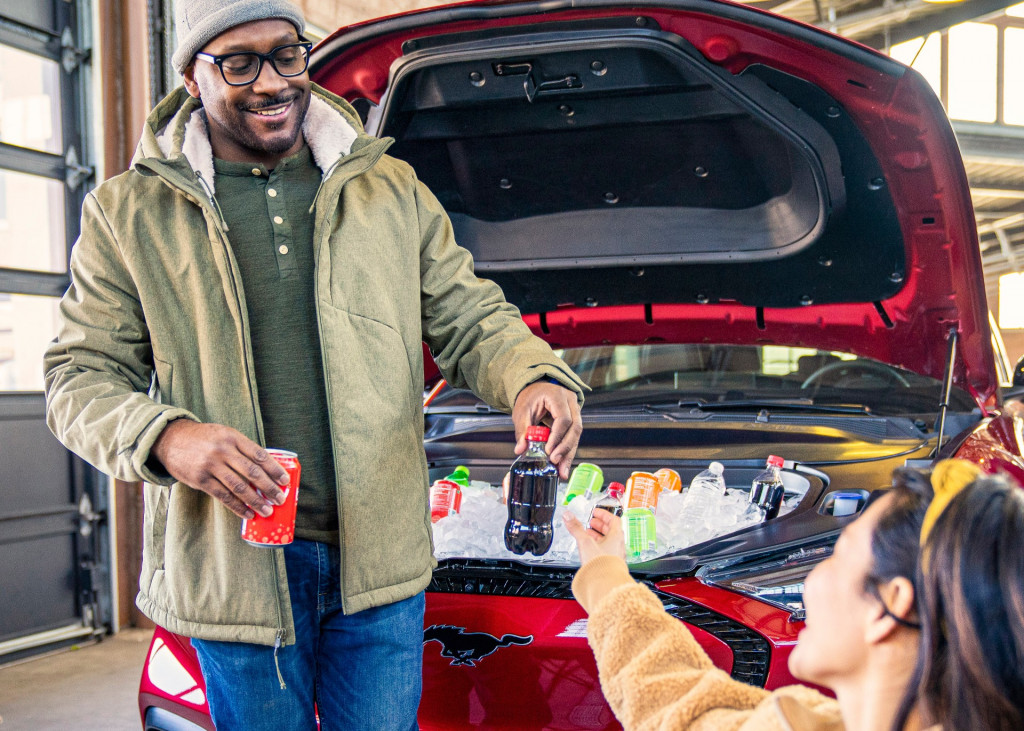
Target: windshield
x=666 y=374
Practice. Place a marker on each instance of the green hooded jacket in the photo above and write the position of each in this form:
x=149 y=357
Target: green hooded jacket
x=154 y=328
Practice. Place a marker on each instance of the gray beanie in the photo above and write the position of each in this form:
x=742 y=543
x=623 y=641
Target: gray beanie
x=200 y=21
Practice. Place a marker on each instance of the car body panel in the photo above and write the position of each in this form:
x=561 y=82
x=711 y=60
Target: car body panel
x=926 y=279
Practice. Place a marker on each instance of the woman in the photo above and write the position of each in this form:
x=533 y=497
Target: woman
x=861 y=636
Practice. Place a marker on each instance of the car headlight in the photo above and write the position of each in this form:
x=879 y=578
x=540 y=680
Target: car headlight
x=777 y=581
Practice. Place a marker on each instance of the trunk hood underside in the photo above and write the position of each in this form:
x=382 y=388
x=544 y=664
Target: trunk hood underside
x=693 y=172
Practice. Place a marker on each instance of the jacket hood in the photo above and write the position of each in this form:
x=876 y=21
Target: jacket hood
x=176 y=133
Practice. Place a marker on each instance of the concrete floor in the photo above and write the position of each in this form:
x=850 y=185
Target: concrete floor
x=90 y=688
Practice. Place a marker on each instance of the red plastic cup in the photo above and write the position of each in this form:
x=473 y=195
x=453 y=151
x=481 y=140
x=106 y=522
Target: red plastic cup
x=279 y=529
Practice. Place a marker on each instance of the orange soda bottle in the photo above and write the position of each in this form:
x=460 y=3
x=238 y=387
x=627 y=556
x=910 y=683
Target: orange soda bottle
x=642 y=489
x=669 y=480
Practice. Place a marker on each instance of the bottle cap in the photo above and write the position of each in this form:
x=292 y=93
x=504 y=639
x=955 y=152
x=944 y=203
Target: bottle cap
x=537 y=433
x=616 y=489
x=775 y=461
x=716 y=467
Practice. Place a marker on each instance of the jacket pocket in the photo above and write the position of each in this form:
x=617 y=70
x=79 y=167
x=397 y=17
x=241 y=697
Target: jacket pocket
x=381 y=469
x=155 y=532
x=163 y=385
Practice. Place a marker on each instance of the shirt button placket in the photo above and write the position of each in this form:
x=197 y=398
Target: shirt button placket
x=282 y=229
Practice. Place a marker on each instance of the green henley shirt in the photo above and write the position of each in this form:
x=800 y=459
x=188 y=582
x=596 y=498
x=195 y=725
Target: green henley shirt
x=271 y=234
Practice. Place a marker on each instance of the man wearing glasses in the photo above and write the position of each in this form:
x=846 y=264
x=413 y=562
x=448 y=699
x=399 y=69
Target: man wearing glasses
x=264 y=276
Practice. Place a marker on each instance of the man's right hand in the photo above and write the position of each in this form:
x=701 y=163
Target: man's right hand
x=223 y=463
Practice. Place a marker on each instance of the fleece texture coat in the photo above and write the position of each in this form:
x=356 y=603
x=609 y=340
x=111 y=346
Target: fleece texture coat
x=154 y=328
x=656 y=676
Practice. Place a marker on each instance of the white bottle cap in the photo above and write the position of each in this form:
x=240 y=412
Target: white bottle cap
x=716 y=467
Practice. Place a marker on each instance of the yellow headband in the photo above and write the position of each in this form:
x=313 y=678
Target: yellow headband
x=949 y=477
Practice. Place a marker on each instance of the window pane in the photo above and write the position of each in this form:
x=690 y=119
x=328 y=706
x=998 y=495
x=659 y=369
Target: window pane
x=27 y=325
x=31 y=223
x=1013 y=81
x=29 y=101
x=972 y=72
x=1016 y=11
x=925 y=56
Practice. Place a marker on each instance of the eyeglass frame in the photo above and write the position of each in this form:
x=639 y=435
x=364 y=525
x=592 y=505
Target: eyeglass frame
x=218 y=61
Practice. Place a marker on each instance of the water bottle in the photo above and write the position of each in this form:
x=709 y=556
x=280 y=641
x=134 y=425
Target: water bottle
x=702 y=498
x=767 y=489
x=533 y=488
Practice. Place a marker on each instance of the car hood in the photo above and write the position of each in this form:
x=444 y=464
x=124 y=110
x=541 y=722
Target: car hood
x=693 y=171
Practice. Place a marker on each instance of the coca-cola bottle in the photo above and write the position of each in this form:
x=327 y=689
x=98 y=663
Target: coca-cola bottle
x=531 y=498
x=767 y=489
x=612 y=502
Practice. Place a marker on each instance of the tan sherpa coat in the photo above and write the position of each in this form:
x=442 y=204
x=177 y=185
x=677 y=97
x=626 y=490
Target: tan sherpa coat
x=656 y=676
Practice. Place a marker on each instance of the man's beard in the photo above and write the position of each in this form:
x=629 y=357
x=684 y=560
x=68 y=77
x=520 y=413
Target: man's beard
x=249 y=139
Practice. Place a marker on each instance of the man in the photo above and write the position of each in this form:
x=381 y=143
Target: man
x=263 y=276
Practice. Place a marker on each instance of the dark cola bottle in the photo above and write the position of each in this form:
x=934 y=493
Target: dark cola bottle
x=531 y=497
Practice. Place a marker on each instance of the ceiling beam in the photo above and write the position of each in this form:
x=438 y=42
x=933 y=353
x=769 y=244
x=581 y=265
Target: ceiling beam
x=990 y=149
x=869 y=27
x=998 y=190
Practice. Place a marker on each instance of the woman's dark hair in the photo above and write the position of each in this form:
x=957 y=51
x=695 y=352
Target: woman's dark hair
x=970 y=668
x=896 y=540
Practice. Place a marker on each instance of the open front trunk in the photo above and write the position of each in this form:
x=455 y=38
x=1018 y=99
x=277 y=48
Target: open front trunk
x=553 y=679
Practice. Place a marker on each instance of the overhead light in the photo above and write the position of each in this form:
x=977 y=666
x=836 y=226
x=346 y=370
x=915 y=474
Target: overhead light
x=1011 y=301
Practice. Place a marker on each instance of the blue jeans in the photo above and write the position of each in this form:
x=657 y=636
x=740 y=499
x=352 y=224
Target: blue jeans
x=363 y=670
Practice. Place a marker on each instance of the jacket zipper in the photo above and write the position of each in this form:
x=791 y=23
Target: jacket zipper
x=216 y=209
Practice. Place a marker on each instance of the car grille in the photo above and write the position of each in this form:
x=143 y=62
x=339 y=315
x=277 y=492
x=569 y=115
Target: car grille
x=751 y=652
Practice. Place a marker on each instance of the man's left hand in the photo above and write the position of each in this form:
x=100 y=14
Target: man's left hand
x=547 y=403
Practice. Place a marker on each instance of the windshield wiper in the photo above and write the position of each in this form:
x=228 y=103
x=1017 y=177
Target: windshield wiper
x=781 y=404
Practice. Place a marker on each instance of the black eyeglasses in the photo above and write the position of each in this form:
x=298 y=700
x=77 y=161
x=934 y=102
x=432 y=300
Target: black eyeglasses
x=243 y=68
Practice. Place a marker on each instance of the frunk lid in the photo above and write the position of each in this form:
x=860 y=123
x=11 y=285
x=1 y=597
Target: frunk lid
x=695 y=154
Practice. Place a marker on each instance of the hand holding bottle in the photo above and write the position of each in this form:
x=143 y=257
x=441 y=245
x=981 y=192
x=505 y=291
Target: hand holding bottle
x=602 y=537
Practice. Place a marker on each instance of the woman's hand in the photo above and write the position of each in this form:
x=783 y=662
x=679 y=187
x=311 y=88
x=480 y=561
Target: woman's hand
x=603 y=537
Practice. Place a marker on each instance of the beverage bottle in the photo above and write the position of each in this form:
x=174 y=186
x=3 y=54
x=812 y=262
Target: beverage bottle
x=460 y=475
x=445 y=499
x=700 y=501
x=669 y=480
x=640 y=528
x=612 y=502
x=532 y=495
x=767 y=489
x=586 y=480
x=642 y=490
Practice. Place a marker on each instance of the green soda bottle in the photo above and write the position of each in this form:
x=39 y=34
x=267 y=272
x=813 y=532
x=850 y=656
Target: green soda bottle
x=640 y=527
x=586 y=480
x=460 y=475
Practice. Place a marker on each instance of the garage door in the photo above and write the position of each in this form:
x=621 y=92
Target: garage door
x=53 y=539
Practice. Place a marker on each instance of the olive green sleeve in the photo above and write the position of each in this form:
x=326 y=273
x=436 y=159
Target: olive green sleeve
x=99 y=369
x=478 y=340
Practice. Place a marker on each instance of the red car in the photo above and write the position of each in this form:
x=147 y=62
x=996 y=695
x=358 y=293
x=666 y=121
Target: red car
x=749 y=237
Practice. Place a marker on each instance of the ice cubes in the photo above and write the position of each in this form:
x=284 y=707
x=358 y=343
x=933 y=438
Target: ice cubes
x=477 y=531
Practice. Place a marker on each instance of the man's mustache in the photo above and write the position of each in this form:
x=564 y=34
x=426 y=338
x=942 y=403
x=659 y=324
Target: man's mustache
x=277 y=101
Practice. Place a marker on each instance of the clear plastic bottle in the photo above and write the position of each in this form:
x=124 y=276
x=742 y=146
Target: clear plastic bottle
x=612 y=502
x=532 y=494
x=767 y=489
x=702 y=498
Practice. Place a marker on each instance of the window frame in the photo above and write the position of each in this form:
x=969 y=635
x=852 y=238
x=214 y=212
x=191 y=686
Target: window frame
x=60 y=43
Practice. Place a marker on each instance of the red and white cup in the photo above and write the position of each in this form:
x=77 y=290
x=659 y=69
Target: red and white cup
x=279 y=529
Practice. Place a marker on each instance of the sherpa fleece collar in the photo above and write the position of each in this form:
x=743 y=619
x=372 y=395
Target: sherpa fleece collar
x=328 y=134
